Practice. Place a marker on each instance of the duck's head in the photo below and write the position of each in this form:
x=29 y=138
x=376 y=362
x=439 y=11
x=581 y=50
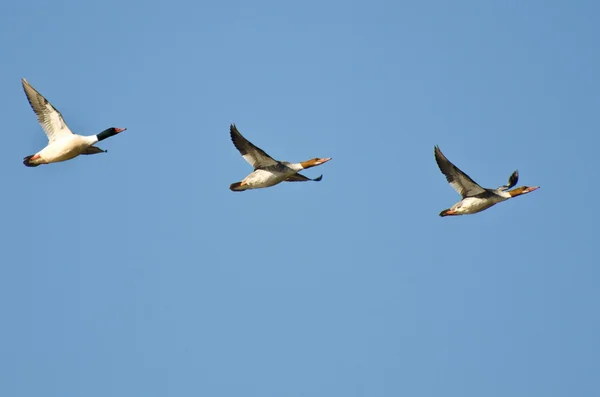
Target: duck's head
x=109 y=132
x=314 y=162
x=522 y=190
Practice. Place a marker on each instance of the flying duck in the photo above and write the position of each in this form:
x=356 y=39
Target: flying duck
x=268 y=171
x=62 y=143
x=474 y=197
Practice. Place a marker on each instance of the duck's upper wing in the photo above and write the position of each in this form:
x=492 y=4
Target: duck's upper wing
x=49 y=118
x=252 y=154
x=512 y=181
x=302 y=178
x=460 y=181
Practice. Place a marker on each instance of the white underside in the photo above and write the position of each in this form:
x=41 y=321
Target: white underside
x=64 y=149
x=472 y=205
x=262 y=178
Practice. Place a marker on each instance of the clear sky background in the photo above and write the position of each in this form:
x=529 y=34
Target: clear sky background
x=138 y=273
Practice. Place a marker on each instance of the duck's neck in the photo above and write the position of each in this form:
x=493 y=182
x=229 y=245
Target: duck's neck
x=106 y=134
x=517 y=192
x=503 y=193
x=296 y=166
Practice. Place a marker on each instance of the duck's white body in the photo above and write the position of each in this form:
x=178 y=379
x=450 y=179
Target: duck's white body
x=64 y=149
x=472 y=205
x=62 y=145
x=266 y=178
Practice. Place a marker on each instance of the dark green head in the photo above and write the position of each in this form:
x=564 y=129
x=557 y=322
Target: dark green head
x=109 y=132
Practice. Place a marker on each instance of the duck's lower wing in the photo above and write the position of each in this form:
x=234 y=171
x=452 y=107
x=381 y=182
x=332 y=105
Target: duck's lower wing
x=93 y=150
x=302 y=178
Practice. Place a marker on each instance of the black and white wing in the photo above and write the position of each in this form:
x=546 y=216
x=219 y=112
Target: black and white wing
x=461 y=182
x=252 y=154
x=49 y=118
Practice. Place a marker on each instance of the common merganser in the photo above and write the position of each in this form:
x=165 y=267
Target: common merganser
x=62 y=143
x=268 y=171
x=475 y=198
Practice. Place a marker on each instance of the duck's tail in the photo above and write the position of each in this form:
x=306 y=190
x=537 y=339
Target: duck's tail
x=237 y=187
x=28 y=163
x=447 y=212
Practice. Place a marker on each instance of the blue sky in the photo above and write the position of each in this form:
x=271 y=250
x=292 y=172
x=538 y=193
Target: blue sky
x=138 y=272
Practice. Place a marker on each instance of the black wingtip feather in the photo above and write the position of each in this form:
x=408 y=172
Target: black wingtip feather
x=233 y=129
x=237 y=139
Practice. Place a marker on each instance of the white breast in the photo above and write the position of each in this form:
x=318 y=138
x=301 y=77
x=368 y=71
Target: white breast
x=65 y=148
x=263 y=178
x=472 y=205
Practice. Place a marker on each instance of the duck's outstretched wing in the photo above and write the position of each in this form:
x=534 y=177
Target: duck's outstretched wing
x=49 y=118
x=302 y=178
x=252 y=154
x=461 y=182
